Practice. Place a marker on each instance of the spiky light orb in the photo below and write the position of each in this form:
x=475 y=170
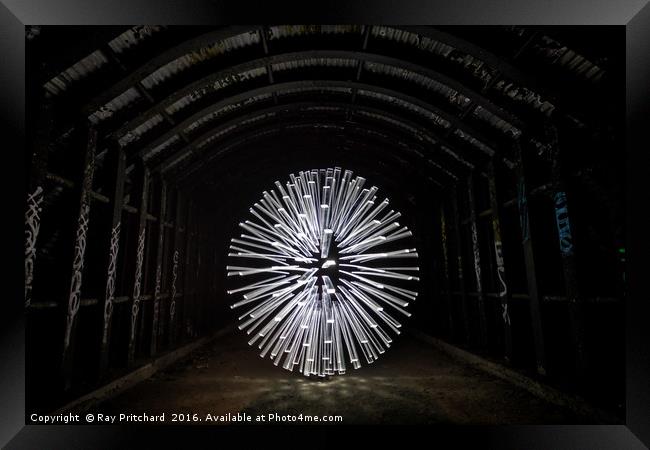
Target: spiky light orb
x=325 y=270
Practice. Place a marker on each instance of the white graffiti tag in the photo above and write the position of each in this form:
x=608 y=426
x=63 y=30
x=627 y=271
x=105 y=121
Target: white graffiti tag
x=110 y=281
x=137 y=284
x=32 y=227
x=74 y=299
x=172 y=306
x=500 y=273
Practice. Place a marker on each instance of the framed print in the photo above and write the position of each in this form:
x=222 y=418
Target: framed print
x=318 y=227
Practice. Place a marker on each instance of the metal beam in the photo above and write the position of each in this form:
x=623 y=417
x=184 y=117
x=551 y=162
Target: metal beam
x=363 y=57
x=476 y=259
x=567 y=254
x=116 y=165
x=35 y=192
x=155 y=319
x=180 y=237
x=74 y=296
x=157 y=62
x=139 y=261
x=276 y=129
x=77 y=46
x=364 y=46
x=459 y=258
x=504 y=294
x=449 y=116
x=316 y=84
x=190 y=272
x=445 y=266
x=222 y=129
x=529 y=261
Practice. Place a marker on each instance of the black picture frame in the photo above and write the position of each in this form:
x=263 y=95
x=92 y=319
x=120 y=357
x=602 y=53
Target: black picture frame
x=634 y=15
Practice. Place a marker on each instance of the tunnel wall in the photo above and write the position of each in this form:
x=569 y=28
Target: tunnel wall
x=521 y=253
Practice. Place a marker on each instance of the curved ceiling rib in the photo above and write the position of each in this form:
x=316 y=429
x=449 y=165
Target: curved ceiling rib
x=507 y=77
x=365 y=133
x=145 y=70
x=405 y=141
x=228 y=168
x=203 y=86
x=446 y=114
x=468 y=95
x=217 y=81
x=212 y=109
x=427 y=140
x=495 y=63
x=194 y=46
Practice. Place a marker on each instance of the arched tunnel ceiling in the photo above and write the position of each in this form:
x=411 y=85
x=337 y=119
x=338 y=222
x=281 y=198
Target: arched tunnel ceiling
x=448 y=98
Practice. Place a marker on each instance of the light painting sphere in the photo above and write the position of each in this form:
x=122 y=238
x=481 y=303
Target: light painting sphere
x=325 y=270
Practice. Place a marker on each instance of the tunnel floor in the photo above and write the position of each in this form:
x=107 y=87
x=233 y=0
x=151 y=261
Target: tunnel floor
x=411 y=383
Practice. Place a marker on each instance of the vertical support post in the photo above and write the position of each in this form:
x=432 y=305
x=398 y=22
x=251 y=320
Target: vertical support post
x=38 y=172
x=459 y=264
x=117 y=165
x=188 y=286
x=159 y=260
x=179 y=234
x=565 y=238
x=139 y=260
x=529 y=261
x=197 y=320
x=166 y=267
x=198 y=296
x=476 y=252
x=445 y=267
x=504 y=295
x=74 y=297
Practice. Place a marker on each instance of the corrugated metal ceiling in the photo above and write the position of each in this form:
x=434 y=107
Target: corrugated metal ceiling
x=547 y=49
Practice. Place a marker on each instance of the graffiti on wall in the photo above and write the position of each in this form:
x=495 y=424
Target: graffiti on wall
x=172 y=306
x=503 y=289
x=74 y=299
x=32 y=227
x=443 y=232
x=137 y=284
x=110 y=280
x=563 y=226
x=156 y=302
x=477 y=257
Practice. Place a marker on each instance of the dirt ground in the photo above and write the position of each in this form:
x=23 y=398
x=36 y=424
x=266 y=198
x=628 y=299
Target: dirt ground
x=412 y=383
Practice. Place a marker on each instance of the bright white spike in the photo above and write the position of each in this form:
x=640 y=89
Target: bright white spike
x=328 y=263
x=317 y=298
x=326 y=240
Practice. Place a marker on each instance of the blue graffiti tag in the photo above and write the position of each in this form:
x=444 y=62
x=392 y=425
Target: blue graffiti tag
x=523 y=210
x=563 y=227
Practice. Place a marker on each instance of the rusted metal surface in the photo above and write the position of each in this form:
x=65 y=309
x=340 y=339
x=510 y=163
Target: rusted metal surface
x=503 y=294
x=209 y=137
x=134 y=37
x=476 y=260
x=557 y=54
x=91 y=63
x=137 y=132
x=288 y=31
x=111 y=239
x=467 y=57
x=143 y=189
x=534 y=300
x=79 y=257
x=120 y=102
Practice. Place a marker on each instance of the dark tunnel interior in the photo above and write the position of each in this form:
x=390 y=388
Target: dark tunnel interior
x=502 y=147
